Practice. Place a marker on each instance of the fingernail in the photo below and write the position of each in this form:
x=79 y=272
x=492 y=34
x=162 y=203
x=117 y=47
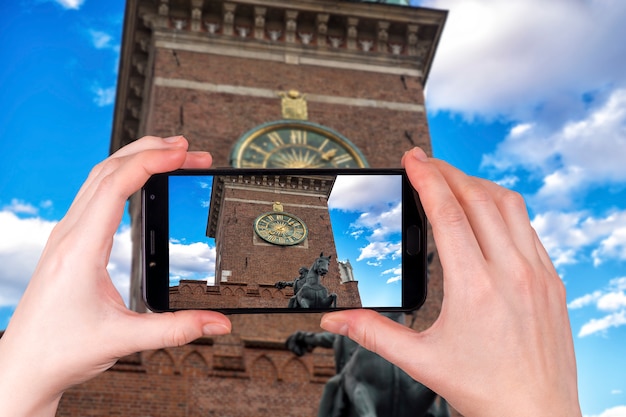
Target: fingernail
x=213 y=329
x=172 y=139
x=329 y=324
x=419 y=154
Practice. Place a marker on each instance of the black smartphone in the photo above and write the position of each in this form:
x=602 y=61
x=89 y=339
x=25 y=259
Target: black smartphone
x=284 y=240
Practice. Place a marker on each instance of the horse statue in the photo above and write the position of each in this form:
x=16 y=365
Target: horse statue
x=296 y=284
x=312 y=294
x=365 y=384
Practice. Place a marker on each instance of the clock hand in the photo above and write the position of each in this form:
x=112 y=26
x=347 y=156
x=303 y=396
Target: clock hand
x=327 y=156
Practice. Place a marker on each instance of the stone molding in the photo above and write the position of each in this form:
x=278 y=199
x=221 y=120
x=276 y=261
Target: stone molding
x=271 y=94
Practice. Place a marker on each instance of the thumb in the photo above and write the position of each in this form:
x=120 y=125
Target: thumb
x=400 y=345
x=161 y=330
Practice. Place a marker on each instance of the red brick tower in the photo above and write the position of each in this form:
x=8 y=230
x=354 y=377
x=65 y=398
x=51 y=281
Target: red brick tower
x=216 y=71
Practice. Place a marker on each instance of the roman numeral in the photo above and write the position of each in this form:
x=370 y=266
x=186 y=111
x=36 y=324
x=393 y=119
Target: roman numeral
x=298 y=137
x=276 y=139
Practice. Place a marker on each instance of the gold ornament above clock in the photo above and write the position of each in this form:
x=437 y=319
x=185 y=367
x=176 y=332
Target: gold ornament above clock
x=280 y=228
x=295 y=144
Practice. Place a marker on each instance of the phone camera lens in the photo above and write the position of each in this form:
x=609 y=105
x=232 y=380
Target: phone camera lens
x=152 y=196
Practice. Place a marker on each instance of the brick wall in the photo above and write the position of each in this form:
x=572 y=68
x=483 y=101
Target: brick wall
x=214 y=121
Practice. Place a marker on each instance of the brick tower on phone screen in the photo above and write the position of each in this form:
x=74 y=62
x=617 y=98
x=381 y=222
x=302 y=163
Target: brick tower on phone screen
x=250 y=81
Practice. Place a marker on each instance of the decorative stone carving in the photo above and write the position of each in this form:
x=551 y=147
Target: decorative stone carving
x=143 y=40
x=259 y=22
x=164 y=8
x=322 y=28
x=274 y=34
x=179 y=24
x=131 y=127
x=136 y=85
x=212 y=27
x=290 y=25
x=411 y=39
x=352 y=33
x=196 y=15
x=229 y=18
x=305 y=37
x=366 y=44
x=335 y=41
x=243 y=31
x=139 y=63
x=383 y=35
x=134 y=107
x=164 y=11
x=395 y=48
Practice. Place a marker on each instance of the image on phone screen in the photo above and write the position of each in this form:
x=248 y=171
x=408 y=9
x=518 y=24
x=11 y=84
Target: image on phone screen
x=310 y=241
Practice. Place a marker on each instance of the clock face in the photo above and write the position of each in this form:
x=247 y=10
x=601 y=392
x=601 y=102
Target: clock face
x=280 y=228
x=295 y=144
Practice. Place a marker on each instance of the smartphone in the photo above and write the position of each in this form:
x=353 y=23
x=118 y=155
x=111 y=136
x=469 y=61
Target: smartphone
x=283 y=240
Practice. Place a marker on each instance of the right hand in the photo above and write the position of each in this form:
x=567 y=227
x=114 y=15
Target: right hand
x=502 y=345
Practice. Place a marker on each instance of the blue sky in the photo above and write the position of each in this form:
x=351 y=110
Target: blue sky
x=366 y=220
x=531 y=94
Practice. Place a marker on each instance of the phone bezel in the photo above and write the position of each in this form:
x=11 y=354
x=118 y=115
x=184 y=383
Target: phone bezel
x=155 y=238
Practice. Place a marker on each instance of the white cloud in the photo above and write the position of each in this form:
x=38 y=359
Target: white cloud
x=380 y=250
x=611 y=299
x=582 y=154
x=614 y=246
x=507 y=181
x=362 y=192
x=70 y=4
x=119 y=266
x=500 y=57
x=619 y=411
x=585 y=300
x=396 y=274
x=104 y=96
x=601 y=325
x=568 y=236
x=101 y=40
x=380 y=223
x=21 y=207
x=21 y=244
x=192 y=261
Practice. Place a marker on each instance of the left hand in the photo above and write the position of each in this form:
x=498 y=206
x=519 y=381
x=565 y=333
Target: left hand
x=71 y=323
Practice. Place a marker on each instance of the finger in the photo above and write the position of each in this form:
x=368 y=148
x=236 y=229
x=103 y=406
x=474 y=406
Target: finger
x=140 y=145
x=93 y=221
x=161 y=330
x=197 y=160
x=385 y=337
x=485 y=219
x=451 y=228
x=513 y=210
x=147 y=142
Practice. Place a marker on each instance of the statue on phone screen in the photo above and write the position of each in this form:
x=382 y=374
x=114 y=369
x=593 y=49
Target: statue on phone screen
x=308 y=289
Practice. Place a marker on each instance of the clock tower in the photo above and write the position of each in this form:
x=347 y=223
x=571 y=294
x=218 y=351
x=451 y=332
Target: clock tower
x=266 y=228
x=232 y=75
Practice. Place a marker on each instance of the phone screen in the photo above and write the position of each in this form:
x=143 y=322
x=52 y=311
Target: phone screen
x=288 y=241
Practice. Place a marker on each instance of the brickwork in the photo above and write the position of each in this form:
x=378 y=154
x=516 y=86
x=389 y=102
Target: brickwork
x=214 y=121
x=205 y=379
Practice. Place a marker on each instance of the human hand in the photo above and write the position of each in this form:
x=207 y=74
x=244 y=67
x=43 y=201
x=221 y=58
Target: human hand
x=71 y=323
x=502 y=344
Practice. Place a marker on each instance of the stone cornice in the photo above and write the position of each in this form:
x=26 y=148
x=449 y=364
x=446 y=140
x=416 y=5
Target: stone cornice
x=372 y=36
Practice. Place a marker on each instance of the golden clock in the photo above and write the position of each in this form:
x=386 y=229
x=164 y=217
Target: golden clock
x=295 y=144
x=280 y=228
